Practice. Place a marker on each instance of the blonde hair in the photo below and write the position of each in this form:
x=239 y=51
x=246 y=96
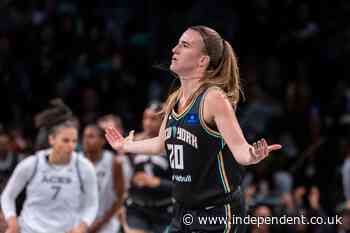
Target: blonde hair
x=222 y=71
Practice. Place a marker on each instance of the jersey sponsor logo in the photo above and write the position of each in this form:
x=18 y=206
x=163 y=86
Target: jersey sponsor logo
x=192 y=119
x=182 y=179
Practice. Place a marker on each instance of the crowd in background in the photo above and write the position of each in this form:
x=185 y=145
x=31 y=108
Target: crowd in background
x=100 y=58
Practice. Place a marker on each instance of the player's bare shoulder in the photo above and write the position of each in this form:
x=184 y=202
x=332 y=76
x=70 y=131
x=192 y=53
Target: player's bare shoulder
x=216 y=95
x=216 y=101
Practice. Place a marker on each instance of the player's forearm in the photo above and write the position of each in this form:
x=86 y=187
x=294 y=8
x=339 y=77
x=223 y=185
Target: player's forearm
x=9 y=195
x=89 y=213
x=12 y=222
x=8 y=206
x=15 y=185
x=111 y=211
x=152 y=146
x=243 y=154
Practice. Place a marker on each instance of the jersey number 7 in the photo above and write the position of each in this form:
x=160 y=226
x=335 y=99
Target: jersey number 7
x=56 y=189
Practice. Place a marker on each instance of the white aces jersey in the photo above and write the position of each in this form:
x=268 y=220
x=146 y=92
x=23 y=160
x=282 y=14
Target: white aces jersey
x=105 y=182
x=53 y=196
x=106 y=192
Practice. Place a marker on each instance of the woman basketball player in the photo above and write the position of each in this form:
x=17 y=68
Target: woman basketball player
x=202 y=136
x=61 y=186
x=110 y=180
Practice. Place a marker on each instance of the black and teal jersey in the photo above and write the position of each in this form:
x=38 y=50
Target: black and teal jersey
x=203 y=167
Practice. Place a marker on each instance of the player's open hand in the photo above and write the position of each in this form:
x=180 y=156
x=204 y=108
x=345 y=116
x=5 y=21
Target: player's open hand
x=260 y=150
x=116 y=140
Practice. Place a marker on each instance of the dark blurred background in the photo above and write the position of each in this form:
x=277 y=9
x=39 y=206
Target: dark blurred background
x=98 y=56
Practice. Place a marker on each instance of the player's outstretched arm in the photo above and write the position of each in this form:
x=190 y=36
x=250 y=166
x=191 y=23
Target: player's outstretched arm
x=152 y=146
x=220 y=109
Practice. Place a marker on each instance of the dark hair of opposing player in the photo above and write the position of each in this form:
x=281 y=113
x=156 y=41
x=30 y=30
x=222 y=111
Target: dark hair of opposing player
x=99 y=130
x=57 y=116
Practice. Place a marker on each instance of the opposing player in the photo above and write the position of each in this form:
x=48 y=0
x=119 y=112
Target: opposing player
x=109 y=178
x=61 y=186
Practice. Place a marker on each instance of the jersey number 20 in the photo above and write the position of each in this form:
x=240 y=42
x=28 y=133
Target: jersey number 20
x=176 y=156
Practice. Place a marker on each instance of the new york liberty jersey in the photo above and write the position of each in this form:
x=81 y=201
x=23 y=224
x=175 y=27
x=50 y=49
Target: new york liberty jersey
x=203 y=168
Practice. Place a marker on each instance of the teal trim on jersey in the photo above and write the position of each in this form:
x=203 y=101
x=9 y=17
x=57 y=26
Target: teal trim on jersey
x=229 y=220
x=188 y=108
x=207 y=129
x=222 y=143
x=221 y=173
x=228 y=224
x=220 y=167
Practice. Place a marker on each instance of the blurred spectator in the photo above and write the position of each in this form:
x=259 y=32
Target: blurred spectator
x=149 y=204
x=264 y=212
x=111 y=120
x=8 y=160
x=345 y=226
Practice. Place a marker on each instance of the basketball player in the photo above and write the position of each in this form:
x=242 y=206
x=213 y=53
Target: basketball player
x=201 y=134
x=109 y=178
x=61 y=186
x=149 y=203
